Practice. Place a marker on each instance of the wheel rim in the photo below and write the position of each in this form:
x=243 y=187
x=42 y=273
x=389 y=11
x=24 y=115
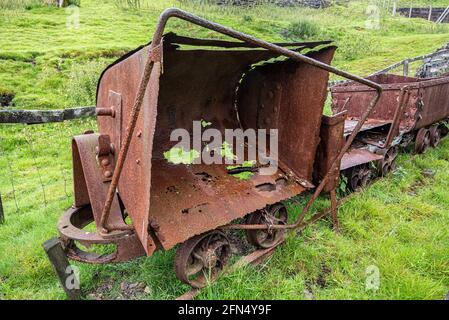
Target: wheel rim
x=200 y=259
x=422 y=140
x=360 y=177
x=388 y=162
x=435 y=136
x=274 y=215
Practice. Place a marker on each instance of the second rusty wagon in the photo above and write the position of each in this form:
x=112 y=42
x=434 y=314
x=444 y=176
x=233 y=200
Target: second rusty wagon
x=410 y=110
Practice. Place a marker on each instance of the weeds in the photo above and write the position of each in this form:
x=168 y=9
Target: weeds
x=81 y=87
x=355 y=47
x=301 y=30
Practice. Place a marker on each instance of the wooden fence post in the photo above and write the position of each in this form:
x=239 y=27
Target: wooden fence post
x=405 y=70
x=2 y=214
x=394 y=8
x=430 y=13
x=66 y=274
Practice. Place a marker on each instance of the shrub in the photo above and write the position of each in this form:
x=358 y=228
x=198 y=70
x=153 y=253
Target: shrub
x=355 y=47
x=74 y=3
x=301 y=30
x=81 y=87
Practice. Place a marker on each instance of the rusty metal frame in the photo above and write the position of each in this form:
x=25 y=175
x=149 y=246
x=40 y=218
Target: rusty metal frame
x=394 y=129
x=154 y=55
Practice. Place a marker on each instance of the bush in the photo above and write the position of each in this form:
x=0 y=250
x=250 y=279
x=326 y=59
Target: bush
x=355 y=47
x=301 y=30
x=74 y=3
x=81 y=87
x=6 y=97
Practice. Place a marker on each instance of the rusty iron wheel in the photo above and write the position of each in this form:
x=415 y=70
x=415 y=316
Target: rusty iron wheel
x=360 y=177
x=422 y=141
x=435 y=136
x=388 y=164
x=444 y=129
x=274 y=215
x=200 y=259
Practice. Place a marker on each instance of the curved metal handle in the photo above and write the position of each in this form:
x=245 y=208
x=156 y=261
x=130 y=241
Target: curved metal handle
x=178 y=13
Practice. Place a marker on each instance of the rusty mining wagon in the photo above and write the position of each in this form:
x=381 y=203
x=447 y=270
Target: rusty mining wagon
x=410 y=111
x=167 y=84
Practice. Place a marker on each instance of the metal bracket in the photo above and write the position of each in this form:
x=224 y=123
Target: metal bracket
x=115 y=102
x=105 y=151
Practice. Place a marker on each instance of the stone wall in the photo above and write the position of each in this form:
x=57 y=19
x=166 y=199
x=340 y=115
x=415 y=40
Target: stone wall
x=282 y=3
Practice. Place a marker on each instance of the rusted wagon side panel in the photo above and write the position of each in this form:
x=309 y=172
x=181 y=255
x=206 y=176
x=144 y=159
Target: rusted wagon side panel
x=290 y=97
x=200 y=84
x=434 y=97
x=118 y=88
x=331 y=143
x=427 y=103
x=352 y=96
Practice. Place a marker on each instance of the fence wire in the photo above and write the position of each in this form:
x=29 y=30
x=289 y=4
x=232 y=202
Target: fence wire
x=35 y=164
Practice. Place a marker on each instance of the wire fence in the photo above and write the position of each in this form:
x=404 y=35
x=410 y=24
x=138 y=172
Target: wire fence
x=35 y=164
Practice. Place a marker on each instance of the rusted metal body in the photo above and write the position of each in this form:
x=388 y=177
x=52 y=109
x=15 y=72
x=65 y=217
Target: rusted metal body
x=406 y=105
x=199 y=84
x=171 y=82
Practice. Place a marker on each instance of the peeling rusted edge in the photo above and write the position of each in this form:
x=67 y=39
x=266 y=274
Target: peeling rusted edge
x=418 y=83
x=173 y=38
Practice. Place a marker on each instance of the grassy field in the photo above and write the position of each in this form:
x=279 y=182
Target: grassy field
x=397 y=226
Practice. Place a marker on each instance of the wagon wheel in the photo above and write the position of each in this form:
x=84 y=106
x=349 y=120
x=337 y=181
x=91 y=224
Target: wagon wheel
x=435 y=136
x=360 y=177
x=422 y=140
x=387 y=164
x=200 y=259
x=274 y=215
x=444 y=130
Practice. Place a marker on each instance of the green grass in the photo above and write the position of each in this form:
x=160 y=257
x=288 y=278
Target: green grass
x=399 y=224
